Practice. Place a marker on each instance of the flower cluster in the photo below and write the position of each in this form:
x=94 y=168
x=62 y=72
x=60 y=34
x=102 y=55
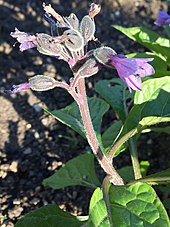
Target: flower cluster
x=69 y=42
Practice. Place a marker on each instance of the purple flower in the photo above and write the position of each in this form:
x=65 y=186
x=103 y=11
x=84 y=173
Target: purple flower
x=163 y=18
x=27 y=41
x=17 y=88
x=131 y=70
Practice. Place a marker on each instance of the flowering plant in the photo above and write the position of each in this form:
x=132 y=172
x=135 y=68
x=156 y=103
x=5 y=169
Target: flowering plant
x=123 y=198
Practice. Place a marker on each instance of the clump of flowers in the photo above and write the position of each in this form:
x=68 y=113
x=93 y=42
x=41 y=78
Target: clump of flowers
x=71 y=45
x=69 y=41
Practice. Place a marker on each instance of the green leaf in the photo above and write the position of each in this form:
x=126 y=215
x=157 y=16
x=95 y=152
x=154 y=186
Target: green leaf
x=49 y=216
x=77 y=171
x=113 y=91
x=152 y=106
x=127 y=173
x=144 y=165
x=149 y=39
x=110 y=135
x=98 y=216
x=71 y=117
x=136 y=205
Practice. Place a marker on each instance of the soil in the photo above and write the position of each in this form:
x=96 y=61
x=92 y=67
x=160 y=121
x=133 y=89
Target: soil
x=32 y=144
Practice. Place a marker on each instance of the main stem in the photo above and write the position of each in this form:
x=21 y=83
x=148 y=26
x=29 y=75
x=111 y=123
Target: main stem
x=105 y=163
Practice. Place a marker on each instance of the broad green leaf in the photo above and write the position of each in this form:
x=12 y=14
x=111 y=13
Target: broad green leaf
x=155 y=63
x=114 y=91
x=49 y=216
x=151 y=106
x=162 y=177
x=77 y=171
x=110 y=135
x=98 y=216
x=71 y=117
x=136 y=205
x=149 y=39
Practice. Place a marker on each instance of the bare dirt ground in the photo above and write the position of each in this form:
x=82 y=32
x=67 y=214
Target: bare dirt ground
x=32 y=144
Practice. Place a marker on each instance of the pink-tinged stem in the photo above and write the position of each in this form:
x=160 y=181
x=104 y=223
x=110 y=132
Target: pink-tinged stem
x=105 y=163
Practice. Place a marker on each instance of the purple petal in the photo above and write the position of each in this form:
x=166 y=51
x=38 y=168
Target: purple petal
x=18 y=88
x=124 y=66
x=133 y=82
x=27 y=41
x=26 y=45
x=131 y=70
x=163 y=18
x=145 y=70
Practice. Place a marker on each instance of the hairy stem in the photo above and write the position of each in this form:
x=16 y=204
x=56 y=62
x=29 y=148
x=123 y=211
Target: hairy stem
x=105 y=163
x=106 y=198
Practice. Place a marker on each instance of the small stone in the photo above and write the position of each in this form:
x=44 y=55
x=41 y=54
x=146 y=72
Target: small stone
x=62 y=206
x=3 y=174
x=37 y=108
x=149 y=141
x=14 y=167
x=27 y=151
x=37 y=135
x=28 y=126
x=44 y=121
x=16 y=202
x=16 y=212
x=34 y=201
x=45 y=203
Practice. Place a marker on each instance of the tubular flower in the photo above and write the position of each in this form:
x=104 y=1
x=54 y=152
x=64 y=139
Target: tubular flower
x=69 y=41
x=27 y=41
x=69 y=46
x=131 y=70
x=163 y=18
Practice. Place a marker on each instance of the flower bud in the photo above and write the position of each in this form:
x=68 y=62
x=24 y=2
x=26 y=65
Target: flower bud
x=104 y=54
x=94 y=10
x=42 y=83
x=46 y=44
x=87 y=28
x=72 y=21
x=89 y=68
x=75 y=40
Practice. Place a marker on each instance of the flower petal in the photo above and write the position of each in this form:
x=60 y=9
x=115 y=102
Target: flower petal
x=162 y=19
x=27 y=41
x=17 y=88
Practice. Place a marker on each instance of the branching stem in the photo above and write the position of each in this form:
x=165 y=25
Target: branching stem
x=105 y=163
